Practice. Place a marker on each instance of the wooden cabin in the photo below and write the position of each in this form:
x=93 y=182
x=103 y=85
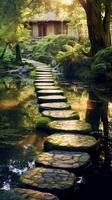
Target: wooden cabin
x=48 y=24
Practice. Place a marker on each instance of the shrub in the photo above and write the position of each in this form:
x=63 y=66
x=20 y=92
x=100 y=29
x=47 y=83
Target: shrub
x=8 y=56
x=46 y=48
x=70 y=59
x=102 y=64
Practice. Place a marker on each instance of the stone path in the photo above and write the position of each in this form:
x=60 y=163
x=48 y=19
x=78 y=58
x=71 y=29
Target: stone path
x=65 y=152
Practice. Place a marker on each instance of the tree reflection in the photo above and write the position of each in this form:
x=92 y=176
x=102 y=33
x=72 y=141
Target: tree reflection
x=97 y=111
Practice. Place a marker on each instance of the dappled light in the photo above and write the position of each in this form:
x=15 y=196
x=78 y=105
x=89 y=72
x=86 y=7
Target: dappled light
x=55 y=100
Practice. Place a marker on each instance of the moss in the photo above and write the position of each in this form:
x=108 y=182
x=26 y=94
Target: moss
x=42 y=122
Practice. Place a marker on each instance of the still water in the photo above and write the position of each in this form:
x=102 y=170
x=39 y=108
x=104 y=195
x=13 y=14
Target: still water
x=20 y=140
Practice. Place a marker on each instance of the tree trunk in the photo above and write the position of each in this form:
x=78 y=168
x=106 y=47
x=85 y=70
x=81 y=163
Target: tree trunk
x=3 y=53
x=98 y=26
x=18 y=54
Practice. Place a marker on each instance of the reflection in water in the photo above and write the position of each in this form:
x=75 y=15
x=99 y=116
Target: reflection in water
x=97 y=110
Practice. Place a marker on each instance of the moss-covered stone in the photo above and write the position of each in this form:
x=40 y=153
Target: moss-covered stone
x=47 y=87
x=56 y=181
x=26 y=194
x=50 y=92
x=61 y=114
x=45 y=69
x=44 y=80
x=43 y=73
x=44 y=84
x=44 y=76
x=71 y=161
x=71 y=126
x=70 y=142
x=51 y=99
x=56 y=106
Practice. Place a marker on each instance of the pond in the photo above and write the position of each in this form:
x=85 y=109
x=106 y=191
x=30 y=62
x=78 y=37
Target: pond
x=20 y=140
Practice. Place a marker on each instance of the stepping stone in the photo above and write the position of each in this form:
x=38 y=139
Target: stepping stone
x=26 y=194
x=71 y=126
x=56 y=181
x=70 y=142
x=50 y=92
x=51 y=99
x=54 y=106
x=43 y=76
x=61 y=114
x=44 y=81
x=47 y=88
x=44 y=84
x=43 y=70
x=71 y=161
x=43 y=73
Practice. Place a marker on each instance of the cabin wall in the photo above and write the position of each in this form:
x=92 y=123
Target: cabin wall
x=50 y=29
x=35 y=31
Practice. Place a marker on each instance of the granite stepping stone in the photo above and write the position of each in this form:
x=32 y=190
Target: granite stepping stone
x=43 y=73
x=50 y=92
x=71 y=126
x=71 y=161
x=70 y=142
x=54 y=106
x=51 y=99
x=26 y=194
x=43 y=76
x=44 y=81
x=44 y=84
x=47 y=87
x=61 y=114
x=56 y=181
x=43 y=70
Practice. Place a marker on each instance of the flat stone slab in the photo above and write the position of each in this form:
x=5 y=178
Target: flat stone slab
x=44 y=84
x=43 y=73
x=61 y=114
x=52 y=98
x=44 y=80
x=50 y=92
x=52 y=106
x=47 y=87
x=71 y=126
x=71 y=161
x=26 y=194
x=44 y=76
x=45 y=69
x=48 y=180
x=70 y=142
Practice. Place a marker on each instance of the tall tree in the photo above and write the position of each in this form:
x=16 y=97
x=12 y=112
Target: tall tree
x=12 y=16
x=98 y=14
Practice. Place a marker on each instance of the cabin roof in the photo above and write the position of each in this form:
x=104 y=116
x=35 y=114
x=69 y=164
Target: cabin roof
x=46 y=17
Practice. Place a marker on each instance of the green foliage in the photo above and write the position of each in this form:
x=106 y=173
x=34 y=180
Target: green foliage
x=69 y=55
x=102 y=63
x=46 y=48
x=42 y=122
x=8 y=56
